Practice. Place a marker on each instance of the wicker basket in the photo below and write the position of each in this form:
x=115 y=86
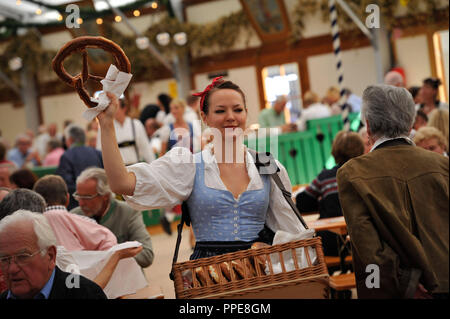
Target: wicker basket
x=309 y=282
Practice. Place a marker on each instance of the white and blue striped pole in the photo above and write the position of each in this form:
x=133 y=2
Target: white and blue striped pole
x=345 y=108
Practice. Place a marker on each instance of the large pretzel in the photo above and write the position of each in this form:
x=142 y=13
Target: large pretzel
x=79 y=45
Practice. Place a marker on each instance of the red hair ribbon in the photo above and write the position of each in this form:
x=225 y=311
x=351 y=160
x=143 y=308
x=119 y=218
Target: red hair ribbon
x=213 y=84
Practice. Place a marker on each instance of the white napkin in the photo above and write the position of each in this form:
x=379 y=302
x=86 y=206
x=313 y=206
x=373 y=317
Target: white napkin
x=115 y=82
x=282 y=237
x=126 y=279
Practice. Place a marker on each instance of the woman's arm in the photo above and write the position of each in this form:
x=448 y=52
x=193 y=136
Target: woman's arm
x=105 y=274
x=163 y=148
x=120 y=180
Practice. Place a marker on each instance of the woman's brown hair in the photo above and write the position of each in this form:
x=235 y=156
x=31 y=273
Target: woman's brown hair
x=223 y=85
x=346 y=145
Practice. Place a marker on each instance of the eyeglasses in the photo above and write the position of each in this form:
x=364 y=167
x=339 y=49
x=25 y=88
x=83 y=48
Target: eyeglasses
x=85 y=197
x=19 y=259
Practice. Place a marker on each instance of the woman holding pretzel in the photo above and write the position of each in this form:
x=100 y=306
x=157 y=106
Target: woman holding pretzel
x=229 y=201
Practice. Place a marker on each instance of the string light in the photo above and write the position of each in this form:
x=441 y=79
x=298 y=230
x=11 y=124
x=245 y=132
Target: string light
x=180 y=38
x=60 y=17
x=99 y=20
x=79 y=21
x=136 y=13
x=18 y=2
x=163 y=38
x=38 y=11
x=15 y=63
x=154 y=5
x=142 y=43
x=118 y=18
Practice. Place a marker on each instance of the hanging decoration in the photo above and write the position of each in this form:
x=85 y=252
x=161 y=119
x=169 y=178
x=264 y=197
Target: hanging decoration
x=142 y=43
x=416 y=12
x=181 y=38
x=163 y=38
x=15 y=63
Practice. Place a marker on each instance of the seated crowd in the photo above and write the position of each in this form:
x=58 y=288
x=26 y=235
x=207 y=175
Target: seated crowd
x=379 y=184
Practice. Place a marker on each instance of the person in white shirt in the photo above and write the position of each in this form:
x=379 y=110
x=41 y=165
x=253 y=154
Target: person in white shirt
x=178 y=133
x=163 y=102
x=331 y=99
x=190 y=114
x=47 y=133
x=312 y=109
x=131 y=137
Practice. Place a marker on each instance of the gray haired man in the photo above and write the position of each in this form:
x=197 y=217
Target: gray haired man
x=28 y=262
x=395 y=202
x=96 y=201
x=21 y=198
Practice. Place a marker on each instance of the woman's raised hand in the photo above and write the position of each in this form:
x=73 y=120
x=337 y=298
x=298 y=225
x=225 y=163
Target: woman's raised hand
x=108 y=114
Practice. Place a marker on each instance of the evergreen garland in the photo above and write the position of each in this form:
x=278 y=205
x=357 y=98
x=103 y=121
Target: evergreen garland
x=219 y=36
x=216 y=37
x=418 y=12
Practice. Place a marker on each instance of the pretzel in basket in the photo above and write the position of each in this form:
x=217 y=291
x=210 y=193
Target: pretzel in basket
x=259 y=261
x=80 y=44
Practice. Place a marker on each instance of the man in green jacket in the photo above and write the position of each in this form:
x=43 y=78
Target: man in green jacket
x=395 y=203
x=274 y=117
x=96 y=201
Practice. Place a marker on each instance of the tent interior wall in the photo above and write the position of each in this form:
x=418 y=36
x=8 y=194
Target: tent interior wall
x=412 y=49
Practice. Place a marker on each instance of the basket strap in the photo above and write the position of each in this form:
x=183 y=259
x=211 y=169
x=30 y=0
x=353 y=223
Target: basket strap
x=287 y=195
x=185 y=219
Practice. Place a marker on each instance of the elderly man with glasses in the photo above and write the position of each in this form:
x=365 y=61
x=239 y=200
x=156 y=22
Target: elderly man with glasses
x=28 y=262
x=96 y=201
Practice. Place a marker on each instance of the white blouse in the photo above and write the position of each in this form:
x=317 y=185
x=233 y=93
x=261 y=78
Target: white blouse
x=168 y=181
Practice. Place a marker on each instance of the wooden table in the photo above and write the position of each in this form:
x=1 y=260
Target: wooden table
x=340 y=284
x=296 y=187
x=338 y=226
x=343 y=282
x=149 y=292
x=335 y=224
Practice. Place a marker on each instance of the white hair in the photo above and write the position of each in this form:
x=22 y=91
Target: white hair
x=99 y=175
x=44 y=233
x=389 y=110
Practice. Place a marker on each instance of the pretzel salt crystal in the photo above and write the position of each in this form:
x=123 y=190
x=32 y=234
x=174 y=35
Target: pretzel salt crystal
x=79 y=45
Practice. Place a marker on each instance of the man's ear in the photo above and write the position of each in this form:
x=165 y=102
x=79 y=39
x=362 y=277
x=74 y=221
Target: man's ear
x=67 y=200
x=51 y=251
x=369 y=132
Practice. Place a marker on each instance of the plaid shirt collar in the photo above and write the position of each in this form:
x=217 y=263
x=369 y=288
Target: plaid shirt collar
x=55 y=207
